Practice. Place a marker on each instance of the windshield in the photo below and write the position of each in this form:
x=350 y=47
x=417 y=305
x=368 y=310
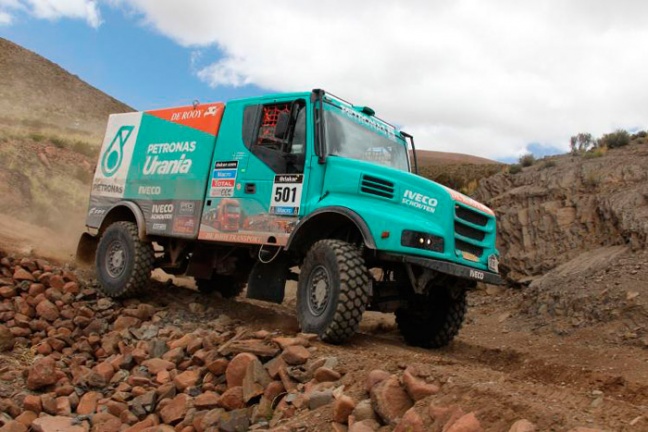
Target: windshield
x=353 y=135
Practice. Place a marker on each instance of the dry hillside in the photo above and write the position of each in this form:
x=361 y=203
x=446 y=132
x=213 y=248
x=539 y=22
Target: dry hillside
x=36 y=94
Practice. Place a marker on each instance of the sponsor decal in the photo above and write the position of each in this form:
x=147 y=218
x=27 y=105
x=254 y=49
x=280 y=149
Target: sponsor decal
x=162 y=212
x=476 y=274
x=419 y=201
x=211 y=111
x=159 y=227
x=114 y=154
x=187 y=208
x=286 y=194
x=457 y=196
x=181 y=165
x=223 y=179
x=101 y=187
x=242 y=238
x=493 y=263
x=185 y=225
x=149 y=190
x=96 y=211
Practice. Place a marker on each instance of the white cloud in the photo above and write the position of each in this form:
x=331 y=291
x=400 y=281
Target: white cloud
x=86 y=10
x=485 y=78
x=5 y=18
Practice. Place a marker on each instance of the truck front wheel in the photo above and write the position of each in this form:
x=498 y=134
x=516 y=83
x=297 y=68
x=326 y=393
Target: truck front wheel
x=124 y=262
x=432 y=321
x=333 y=290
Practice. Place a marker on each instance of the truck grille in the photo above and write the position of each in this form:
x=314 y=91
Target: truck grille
x=376 y=186
x=470 y=231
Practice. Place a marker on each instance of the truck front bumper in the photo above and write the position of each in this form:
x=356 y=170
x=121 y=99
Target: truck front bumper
x=453 y=269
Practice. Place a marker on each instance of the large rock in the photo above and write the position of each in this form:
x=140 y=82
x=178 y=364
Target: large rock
x=7 y=339
x=411 y=422
x=417 y=388
x=390 y=400
x=465 y=423
x=523 y=426
x=42 y=373
x=255 y=380
x=175 y=411
x=47 y=310
x=237 y=368
x=57 y=424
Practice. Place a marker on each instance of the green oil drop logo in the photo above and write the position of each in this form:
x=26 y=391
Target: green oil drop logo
x=114 y=154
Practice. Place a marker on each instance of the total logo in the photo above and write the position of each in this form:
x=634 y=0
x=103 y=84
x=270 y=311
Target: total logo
x=114 y=154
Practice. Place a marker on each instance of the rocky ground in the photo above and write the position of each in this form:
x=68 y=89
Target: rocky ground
x=175 y=360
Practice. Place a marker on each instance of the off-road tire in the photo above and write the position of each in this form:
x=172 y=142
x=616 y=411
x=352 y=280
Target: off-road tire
x=137 y=257
x=432 y=321
x=347 y=290
x=227 y=286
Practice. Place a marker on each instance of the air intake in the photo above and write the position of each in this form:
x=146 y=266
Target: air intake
x=376 y=186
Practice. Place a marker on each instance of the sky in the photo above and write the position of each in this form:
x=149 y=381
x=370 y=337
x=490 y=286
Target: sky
x=493 y=78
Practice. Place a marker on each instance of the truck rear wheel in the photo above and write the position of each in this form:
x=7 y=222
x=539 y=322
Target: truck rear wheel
x=434 y=320
x=124 y=262
x=333 y=290
x=228 y=286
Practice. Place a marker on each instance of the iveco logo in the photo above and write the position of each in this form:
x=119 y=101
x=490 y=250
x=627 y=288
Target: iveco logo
x=477 y=274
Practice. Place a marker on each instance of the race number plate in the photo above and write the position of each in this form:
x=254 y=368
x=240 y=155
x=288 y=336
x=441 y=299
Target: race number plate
x=286 y=194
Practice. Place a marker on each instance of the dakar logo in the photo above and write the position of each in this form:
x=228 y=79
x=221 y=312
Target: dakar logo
x=112 y=158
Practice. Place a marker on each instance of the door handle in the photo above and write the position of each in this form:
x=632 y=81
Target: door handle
x=250 y=188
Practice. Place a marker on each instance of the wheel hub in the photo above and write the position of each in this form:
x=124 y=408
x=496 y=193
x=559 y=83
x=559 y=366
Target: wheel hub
x=318 y=290
x=116 y=259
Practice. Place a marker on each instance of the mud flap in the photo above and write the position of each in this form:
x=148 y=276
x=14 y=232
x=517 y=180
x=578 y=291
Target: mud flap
x=267 y=282
x=86 y=249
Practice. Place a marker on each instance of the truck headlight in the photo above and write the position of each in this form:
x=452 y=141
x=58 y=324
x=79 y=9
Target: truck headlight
x=422 y=240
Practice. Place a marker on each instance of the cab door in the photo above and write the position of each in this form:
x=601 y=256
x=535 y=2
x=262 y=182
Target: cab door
x=259 y=194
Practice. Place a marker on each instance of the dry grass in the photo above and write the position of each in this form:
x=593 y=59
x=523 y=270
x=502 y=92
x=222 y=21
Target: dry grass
x=461 y=177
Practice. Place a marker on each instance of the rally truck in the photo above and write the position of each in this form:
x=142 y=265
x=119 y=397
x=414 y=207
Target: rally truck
x=301 y=186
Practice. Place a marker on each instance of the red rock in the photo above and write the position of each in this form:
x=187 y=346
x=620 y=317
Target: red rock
x=7 y=340
x=285 y=342
x=126 y=322
x=88 y=403
x=364 y=426
x=232 y=399
x=465 y=423
x=274 y=389
x=207 y=400
x=255 y=381
x=71 y=288
x=445 y=416
x=417 y=388
x=148 y=422
x=47 y=310
x=105 y=422
x=295 y=355
x=584 y=429
x=374 y=377
x=390 y=400
x=27 y=418
x=523 y=426
x=411 y=422
x=48 y=401
x=337 y=427
x=324 y=374
x=218 y=366
x=57 y=281
x=210 y=421
x=342 y=409
x=105 y=370
x=183 y=342
x=63 y=407
x=13 y=426
x=176 y=410
x=42 y=373
x=20 y=274
x=186 y=379
x=237 y=368
x=32 y=403
x=7 y=291
x=57 y=424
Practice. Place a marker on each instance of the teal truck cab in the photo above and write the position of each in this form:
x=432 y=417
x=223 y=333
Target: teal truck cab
x=314 y=182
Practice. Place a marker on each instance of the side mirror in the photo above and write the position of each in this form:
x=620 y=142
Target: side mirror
x=281 y=128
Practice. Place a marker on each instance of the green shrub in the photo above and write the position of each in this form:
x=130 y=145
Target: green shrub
x=616 y=139
x=58 y=142
x=548 y=164
x=527 y=160
x=37 y=137
x=640 y=134
x=595 y=153
x=515 y=168
x=84 y=148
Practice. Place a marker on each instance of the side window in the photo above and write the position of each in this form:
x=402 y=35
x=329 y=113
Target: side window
x=282 y=155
